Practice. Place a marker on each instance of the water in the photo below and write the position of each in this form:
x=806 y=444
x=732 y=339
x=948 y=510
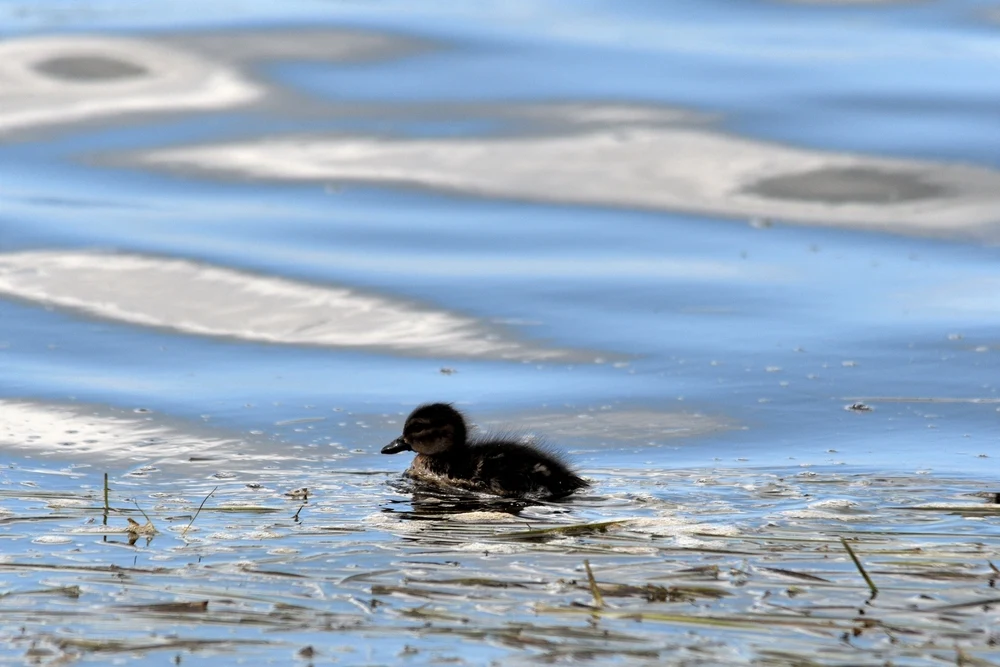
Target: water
x=677 y=240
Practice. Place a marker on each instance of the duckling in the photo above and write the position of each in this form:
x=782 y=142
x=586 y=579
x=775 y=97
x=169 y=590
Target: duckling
x=502 y=467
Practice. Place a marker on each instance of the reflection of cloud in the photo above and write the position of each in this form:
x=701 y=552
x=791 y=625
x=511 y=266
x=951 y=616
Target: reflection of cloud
x=69 y=78
x=243 y=48
x=673 y=168
x=72 y=78
x=76 y=431
x=618 y=425
x=213 y=301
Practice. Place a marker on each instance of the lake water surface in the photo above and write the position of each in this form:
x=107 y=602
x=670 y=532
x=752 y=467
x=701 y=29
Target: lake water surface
x=239 y=242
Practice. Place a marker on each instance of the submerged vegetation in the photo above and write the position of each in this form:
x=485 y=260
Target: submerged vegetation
x=768 y=567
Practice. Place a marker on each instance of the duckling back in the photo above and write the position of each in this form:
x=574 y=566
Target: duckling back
x=513 y=469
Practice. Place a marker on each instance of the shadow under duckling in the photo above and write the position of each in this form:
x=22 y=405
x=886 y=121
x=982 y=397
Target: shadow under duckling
x=502 y=467
x=431 y=501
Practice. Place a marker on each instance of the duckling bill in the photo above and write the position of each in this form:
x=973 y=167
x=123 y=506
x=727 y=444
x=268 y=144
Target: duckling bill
x=445 y=454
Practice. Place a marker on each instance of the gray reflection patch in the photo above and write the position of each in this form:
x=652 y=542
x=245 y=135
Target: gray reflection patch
x=51 y=80
x=89 y=68
x=630 y=425
x=215 y=301
x=859 y=185
x=45 y=79
x=243 y=47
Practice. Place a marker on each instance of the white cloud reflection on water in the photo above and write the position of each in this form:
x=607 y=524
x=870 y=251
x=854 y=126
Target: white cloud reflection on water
x=581 y=154
x=213 y=301
x=61 y=79
x=79 y=433
x=680 y=168
x=75 y=78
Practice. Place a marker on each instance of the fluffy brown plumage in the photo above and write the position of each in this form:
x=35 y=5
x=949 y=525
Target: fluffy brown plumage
x=503 y=467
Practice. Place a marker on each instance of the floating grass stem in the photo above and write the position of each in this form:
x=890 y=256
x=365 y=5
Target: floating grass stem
x=861 y=568
x=594 y=588
x=72 y=592
x=710 y=621
x=575 y=530
x=107 y=507
x=184 y=532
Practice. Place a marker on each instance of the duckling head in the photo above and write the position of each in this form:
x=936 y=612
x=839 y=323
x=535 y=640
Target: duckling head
x=430 y=429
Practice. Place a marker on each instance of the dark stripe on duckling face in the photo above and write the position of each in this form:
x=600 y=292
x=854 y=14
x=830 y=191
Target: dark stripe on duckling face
x=430 y=430
x=430 y=440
